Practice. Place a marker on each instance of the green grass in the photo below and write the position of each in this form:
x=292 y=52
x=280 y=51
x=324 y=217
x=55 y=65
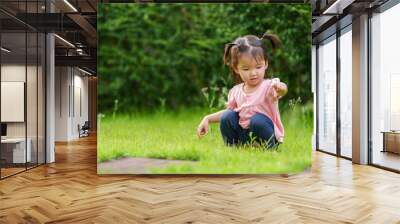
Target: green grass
x=173 y=136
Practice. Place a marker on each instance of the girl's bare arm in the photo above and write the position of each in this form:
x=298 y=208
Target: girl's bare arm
x=202 y=129
x=215 y=117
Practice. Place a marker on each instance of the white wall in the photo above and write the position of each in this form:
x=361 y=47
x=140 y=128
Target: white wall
x=34 y=125
x=71 y=94
x=14 y=72
x=80 y=100
x=62 y=81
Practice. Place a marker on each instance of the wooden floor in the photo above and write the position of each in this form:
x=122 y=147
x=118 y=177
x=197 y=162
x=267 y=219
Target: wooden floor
x=10 y=171
x=70 y=191
x=387 y=159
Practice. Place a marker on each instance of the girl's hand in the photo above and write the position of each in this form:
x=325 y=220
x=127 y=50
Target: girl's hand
x=280 y=87
x=202 y=129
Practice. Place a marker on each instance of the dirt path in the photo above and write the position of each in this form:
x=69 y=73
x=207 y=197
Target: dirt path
x=135 y=165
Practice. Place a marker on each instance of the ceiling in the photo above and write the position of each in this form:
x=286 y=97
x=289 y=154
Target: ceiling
x=74 y=22
x=328 y=16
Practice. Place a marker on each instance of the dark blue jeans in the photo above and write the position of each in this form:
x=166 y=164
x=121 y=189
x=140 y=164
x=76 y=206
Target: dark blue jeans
x=261 y=127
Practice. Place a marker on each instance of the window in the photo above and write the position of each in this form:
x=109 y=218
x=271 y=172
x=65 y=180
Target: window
x=346 y=92
x=327 y=95
x=385 y=88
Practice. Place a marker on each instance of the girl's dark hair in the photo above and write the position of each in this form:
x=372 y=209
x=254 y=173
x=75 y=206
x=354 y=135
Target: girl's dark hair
x=254 y=45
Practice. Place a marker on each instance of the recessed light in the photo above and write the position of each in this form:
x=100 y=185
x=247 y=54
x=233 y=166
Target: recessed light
x=5 y=49
x=64 y=40
x=70 y=5
x=86 y=72
x=337 y=7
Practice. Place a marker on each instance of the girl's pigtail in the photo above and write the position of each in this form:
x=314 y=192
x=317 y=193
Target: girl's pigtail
x=227 y=54
x=274 y=40
x=228 y=60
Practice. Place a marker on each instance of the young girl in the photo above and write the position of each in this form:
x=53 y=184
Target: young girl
x=253 y=103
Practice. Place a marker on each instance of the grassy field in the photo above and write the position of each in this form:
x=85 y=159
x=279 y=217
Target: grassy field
x=173 y=136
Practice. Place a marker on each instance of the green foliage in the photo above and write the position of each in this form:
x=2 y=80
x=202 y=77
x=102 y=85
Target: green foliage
x=152 y=54
x=172 y=135
x=215 y=98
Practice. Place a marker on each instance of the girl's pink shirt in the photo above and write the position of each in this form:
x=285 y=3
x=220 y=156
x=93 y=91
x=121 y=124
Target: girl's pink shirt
x=262 y=100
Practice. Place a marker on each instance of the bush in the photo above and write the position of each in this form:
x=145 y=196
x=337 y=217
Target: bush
x=153 y=54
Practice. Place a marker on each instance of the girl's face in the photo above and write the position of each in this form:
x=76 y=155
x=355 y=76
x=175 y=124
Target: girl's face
x=251 y=71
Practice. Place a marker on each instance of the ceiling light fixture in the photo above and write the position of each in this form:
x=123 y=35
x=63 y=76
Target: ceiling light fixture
x=80 y=51
x=5 y=49
x=86 y=72
x=70 y=5
x=337 y=7
x=64 y=40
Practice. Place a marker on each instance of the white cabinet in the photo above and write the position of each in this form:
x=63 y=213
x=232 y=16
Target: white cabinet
x=18 y=149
